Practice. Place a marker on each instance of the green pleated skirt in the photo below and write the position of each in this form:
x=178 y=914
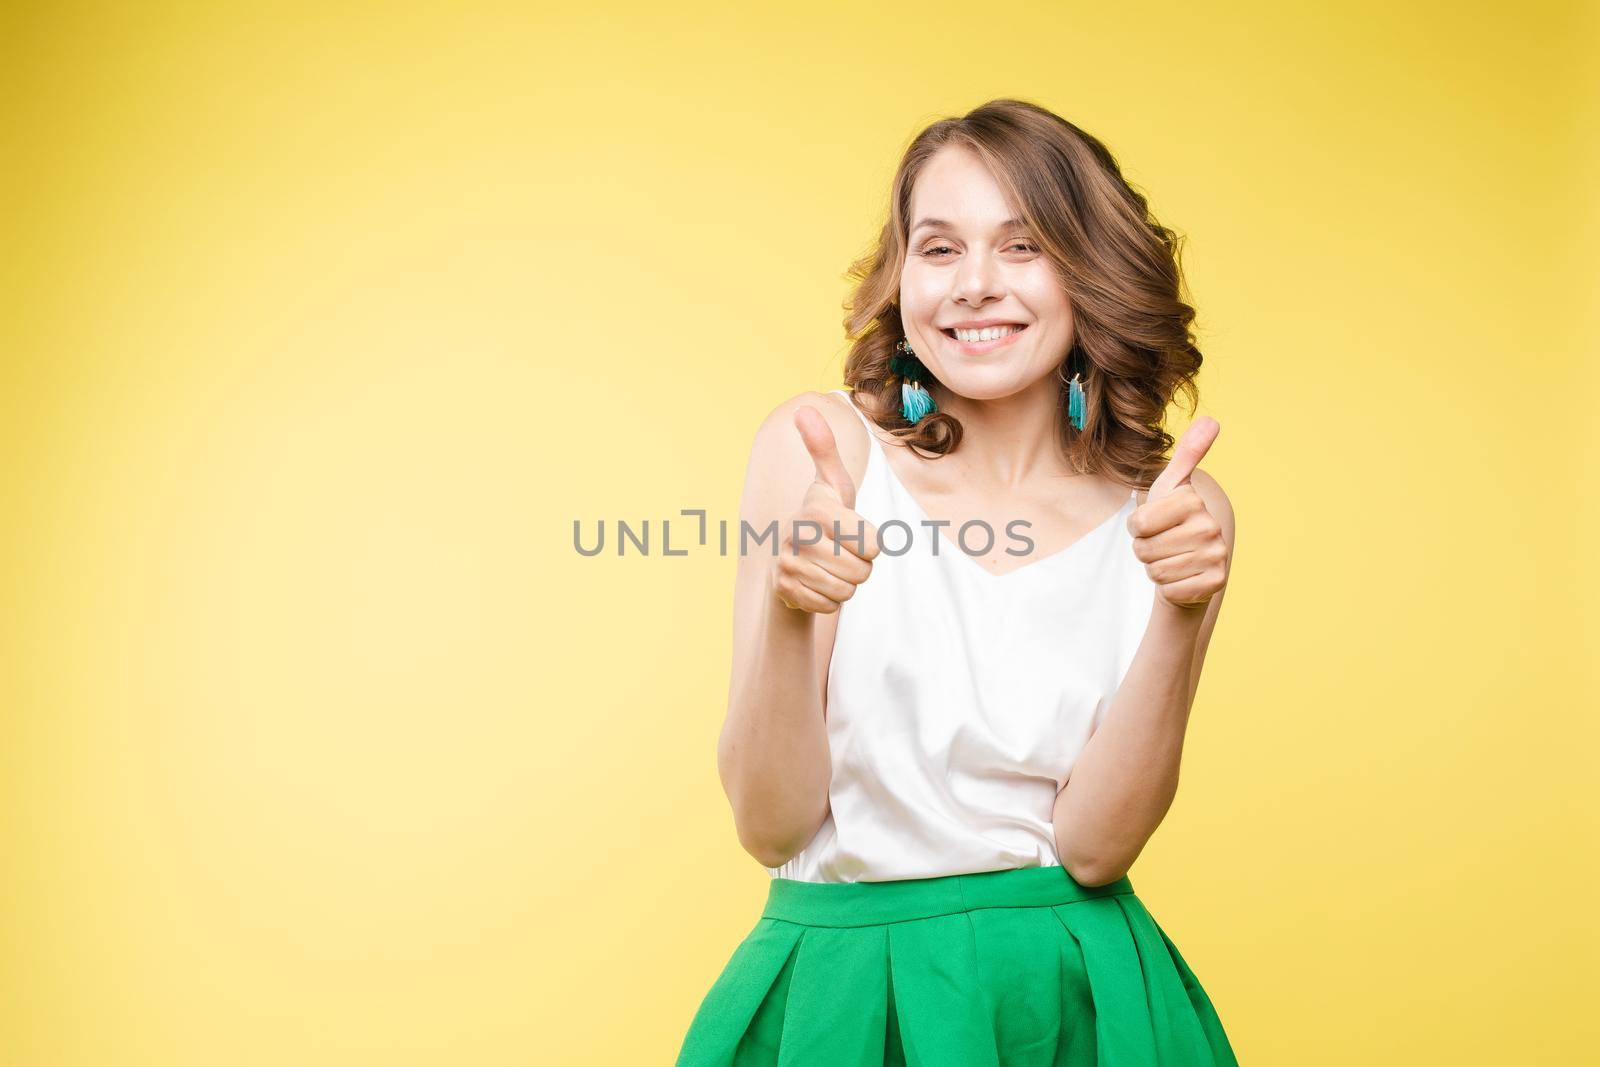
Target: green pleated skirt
x=1011 y=968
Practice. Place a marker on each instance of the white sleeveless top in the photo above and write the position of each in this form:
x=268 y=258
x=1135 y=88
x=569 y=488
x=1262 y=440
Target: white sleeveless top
x=959 y=699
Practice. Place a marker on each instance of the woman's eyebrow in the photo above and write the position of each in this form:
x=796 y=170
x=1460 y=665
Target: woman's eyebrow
x=943 y=224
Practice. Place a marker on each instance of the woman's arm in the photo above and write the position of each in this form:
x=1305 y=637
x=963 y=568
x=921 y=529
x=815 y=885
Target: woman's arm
x=1124 y=781
x=772 y=755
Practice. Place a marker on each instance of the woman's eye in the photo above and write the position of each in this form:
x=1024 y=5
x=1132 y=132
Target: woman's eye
x=929 y=253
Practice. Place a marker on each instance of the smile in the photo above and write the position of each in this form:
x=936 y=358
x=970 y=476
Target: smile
x=978 y=348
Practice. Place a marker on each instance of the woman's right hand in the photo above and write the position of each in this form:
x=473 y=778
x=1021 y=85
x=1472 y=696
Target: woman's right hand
x=825 y=549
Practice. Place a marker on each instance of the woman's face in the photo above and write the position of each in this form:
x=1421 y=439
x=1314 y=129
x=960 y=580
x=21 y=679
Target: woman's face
x=971 y=265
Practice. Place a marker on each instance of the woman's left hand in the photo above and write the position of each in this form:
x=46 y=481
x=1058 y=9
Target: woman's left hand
x=1176 y=537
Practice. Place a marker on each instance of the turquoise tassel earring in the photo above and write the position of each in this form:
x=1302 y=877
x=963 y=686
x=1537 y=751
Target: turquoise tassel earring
x=1075 y=404
x=916 y=403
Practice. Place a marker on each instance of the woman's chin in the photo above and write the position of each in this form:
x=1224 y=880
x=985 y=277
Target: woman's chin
x=986 y=383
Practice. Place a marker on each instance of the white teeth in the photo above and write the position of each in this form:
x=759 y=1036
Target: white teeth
x=988 y=333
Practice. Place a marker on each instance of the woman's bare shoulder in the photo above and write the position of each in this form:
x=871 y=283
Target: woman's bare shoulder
x=777 y=440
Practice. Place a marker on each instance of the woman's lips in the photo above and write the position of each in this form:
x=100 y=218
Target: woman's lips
x=978 y=348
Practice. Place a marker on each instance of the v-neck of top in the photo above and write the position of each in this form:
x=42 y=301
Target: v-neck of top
x=880 y=455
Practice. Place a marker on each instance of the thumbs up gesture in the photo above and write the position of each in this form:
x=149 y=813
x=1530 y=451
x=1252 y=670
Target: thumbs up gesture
x=1176 y=537
x=827 y=549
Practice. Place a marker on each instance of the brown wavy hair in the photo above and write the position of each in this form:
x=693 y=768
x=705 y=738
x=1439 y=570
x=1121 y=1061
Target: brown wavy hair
x=1133 y=346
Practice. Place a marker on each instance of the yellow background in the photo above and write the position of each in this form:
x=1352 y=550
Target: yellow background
x=321 y=745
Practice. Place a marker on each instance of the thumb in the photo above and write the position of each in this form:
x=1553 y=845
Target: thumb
x=1186 y=456
x=819 y=441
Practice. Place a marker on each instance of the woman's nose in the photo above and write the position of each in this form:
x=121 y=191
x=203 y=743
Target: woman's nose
x=976 y=278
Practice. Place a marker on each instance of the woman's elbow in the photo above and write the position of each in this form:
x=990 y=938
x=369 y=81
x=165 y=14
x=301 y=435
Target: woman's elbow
x=1090 y=875
x=767 y=851
x=770 y=857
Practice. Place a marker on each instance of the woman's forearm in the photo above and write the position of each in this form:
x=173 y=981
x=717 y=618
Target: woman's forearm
x=773 y=753
x=1126 y=777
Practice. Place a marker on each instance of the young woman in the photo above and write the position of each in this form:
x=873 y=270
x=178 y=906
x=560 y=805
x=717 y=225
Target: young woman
x=961 y=684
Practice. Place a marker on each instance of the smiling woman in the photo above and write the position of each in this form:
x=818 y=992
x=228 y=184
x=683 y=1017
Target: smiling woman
x=1090 y=274
x=948 y=762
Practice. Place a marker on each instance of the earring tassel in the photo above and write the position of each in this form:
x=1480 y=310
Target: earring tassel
x=916 y=403
x=1075 y=405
